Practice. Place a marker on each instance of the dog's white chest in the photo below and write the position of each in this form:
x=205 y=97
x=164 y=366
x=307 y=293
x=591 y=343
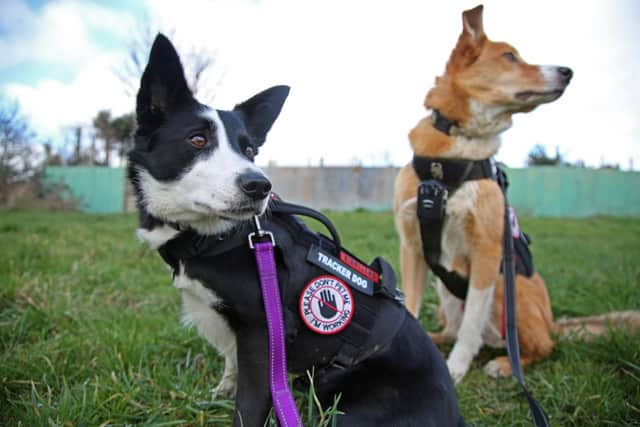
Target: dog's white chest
x=194 y=294
x=198 y=310
x=459 y=205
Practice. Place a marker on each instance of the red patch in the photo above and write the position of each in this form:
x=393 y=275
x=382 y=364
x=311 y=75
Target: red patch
x=367 y=272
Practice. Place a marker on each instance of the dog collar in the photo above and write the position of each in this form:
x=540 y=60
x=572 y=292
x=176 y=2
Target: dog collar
x=189 y=244
x=442 y=123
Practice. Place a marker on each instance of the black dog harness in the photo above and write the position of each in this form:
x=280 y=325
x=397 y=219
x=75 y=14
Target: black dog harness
x=302 y=255
x=439 y=179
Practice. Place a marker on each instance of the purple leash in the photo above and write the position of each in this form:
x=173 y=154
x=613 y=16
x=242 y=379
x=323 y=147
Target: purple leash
x=283 y=403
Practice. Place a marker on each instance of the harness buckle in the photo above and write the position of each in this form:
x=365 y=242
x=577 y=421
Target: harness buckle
x=260 y=233
x=394 y=294
x=399 y=296
x=432 y=200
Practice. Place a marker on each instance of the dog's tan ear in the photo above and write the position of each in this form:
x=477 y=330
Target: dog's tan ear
x=472 y=24
x=470 y=42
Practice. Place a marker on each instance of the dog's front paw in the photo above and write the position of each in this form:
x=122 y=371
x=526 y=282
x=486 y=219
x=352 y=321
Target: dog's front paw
x=226 y=387
x=458 y=364
x=498 y=368
x=457 y=373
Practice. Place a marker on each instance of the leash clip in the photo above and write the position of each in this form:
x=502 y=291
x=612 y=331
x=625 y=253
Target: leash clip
x=259 y=233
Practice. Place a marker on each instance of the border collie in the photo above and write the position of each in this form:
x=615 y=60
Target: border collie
x=193 y=174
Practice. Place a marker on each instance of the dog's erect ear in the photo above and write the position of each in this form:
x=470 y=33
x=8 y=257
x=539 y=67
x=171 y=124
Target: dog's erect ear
x=261 y=111
x=163 y=86
x=472 y=24
x=470 y=42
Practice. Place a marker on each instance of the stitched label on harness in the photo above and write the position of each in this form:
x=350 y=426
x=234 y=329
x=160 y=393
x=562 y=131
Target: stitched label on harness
x=326 y=305
x=358 y=280
x=360 y=267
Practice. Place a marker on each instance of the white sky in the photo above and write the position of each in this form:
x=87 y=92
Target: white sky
x=359 y=70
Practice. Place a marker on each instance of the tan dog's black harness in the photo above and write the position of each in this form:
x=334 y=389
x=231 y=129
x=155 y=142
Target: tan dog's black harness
x=439 y=178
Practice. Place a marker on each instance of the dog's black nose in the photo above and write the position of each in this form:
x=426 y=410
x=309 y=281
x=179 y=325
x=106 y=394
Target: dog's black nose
x=566 y=73
x=255 y=185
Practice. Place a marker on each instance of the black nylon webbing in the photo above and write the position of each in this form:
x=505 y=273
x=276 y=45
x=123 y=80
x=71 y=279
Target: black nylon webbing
x=279 y=206
x=451 y=172
x=431 y=235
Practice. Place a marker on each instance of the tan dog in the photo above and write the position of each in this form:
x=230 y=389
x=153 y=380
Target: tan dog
x=484 y=84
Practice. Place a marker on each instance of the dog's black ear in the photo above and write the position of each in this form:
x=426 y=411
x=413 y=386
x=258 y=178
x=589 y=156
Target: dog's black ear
x=261 y=111
x=163 y=86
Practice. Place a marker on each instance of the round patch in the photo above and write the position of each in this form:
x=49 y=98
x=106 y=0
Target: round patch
x=326 y=305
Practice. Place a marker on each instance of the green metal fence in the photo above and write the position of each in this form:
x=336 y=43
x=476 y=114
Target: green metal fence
x=574 y=192
x=97 y=189
x=537 y=191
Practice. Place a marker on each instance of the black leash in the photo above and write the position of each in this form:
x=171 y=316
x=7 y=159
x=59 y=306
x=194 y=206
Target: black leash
x=540 y=418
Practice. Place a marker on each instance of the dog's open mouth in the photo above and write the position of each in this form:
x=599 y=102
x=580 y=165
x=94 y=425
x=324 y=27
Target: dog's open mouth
x=547 y=96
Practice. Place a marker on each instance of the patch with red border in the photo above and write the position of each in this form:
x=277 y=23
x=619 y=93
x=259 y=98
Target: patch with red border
x=326 y=305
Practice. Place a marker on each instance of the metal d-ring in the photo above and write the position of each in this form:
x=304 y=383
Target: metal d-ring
x=260 y=233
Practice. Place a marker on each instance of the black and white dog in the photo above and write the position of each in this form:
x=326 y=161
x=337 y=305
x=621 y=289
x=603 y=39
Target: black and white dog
x=193 y=174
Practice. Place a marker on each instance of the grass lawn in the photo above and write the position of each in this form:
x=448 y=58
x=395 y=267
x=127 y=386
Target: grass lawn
x=90 y=332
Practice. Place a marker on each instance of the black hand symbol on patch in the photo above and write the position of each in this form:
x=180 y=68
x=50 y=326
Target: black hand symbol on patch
x=327 y=304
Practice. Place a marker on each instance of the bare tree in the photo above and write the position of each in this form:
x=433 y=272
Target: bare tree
x=202 y=72
x=16 y=161
x=138 y=47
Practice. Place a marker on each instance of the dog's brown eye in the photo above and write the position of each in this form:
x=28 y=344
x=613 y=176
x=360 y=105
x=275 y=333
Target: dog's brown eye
x=510 y=57
x=249 y=152
x=198 y=140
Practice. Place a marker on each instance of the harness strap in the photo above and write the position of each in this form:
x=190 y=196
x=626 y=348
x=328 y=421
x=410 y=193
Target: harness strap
x=283 y=403
x=189 y=244
x=431 y=235
x=452 y=172
x=388 y=286
x=279 y=206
